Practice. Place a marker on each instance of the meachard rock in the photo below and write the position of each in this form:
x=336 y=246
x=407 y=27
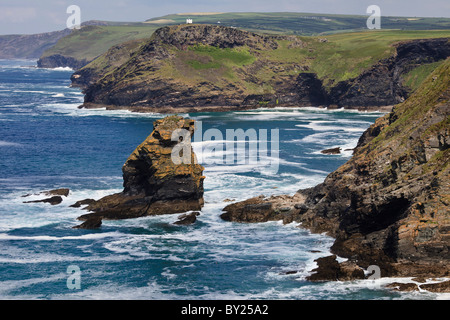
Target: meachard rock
x=154 y=183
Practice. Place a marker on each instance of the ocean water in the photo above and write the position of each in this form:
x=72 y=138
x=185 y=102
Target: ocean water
x=46 y=142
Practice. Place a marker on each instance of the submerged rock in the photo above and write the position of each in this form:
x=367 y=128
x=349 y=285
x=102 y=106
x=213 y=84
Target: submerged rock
x=331 y=151
x=399 y=286
x=161 y=176
x=58 y=192
x=80 y=203
x=440 y=287
x=329 y=269
x=53 y=200
x=90 y=224
x=55 y=196
x=55 y=192
x=187 y=219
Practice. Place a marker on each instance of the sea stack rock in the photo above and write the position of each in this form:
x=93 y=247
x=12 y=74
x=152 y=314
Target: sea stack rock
x=161 y=176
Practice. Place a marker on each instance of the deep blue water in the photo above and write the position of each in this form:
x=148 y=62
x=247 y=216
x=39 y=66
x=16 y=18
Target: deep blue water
x=46 y=142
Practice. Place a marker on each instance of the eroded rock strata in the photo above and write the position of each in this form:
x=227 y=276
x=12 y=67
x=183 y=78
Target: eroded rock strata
x=389 y=204
x=153 y=183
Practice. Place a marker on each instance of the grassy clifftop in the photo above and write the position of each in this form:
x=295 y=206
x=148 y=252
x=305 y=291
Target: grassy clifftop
x=333 y=58
x=92 y=41
x=297 y=23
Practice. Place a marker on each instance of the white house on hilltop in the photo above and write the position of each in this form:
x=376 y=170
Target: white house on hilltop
x=188 y=21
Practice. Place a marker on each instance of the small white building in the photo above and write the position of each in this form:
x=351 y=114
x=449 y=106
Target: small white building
x=188 y=21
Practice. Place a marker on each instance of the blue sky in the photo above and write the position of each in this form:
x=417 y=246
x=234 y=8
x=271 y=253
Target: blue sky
x=35 y=16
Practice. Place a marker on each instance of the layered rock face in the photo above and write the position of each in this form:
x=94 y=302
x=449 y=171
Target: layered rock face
x=153 y=183
x=389 y=205
x=381 y=85
x=58 y=60
x=146 y=84
x=167 y=74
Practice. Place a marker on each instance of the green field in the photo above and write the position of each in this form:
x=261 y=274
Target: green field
x=217 y=58
x=301 y=23
x=92 y=41
x=345 y=56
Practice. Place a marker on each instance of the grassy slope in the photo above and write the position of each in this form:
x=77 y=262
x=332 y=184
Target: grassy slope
x=92 y=41
x=416 y=76
x=345 y=56
x=411 y=114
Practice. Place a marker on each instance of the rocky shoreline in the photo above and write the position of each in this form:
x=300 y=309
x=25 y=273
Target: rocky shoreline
x=226 y=108
x=388 y=205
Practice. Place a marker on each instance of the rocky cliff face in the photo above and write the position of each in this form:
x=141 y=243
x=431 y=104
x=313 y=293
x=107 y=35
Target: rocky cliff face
x=168 y=74
x=58 y=60
x=144 y=83
x=113 y=58
x=153 y=183
x=29 y=46
x=382 y=85
x=389 y=205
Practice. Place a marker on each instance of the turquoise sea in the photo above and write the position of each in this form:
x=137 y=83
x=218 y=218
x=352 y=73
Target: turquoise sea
x=46 y=142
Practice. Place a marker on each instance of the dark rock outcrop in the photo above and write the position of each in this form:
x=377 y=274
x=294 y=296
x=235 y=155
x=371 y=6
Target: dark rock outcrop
x=55 y=196
x=336 y=150
x=58 y=60
x=222 y=37
x=153 y=183
x=262 y=209
x=405 y=287
x=329 y=269
x=439 y=287
x=91 y=223
x=52 y=200
x=80 y=203
x=187 y=219
x=310 y=90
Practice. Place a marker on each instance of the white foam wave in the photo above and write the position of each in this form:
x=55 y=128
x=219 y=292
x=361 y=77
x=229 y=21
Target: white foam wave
x=321 y=126
x=9 y=144
x=71 y=109
x=92 y=236
x=60 y=69
x=31 y=91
